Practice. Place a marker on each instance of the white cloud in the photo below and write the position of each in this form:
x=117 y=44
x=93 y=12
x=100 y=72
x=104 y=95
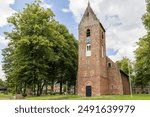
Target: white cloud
x=3 y=41
x=65 y=10
x=121 y=19
x=5 y=11
x=45 y=5
x=2 y=75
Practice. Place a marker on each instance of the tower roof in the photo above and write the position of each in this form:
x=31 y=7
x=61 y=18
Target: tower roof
x=90 y=13
x=88 y=3
x=90 y=10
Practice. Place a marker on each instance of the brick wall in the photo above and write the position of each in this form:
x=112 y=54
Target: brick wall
x=114 y=76
x=126 y=83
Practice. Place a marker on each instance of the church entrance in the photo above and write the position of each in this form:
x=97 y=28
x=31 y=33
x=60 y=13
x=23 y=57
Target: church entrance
x=88 y=91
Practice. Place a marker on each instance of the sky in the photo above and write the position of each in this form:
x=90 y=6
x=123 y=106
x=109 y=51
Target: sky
x=120 y=18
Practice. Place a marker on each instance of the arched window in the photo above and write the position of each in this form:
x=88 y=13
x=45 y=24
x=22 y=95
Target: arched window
x=88 y=33
x=88 y=47
x=109 y=65
x=88 y=50
x=102 y=35
x=87 y=14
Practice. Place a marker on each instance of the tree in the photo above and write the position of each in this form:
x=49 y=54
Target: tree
x=142 y=53
x=142 y=65
x=40 y=50
x=66 y=66
x=2 y=83
x=124 y=65
x=29 y=47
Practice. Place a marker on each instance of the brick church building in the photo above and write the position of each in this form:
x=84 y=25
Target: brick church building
x=97 y=74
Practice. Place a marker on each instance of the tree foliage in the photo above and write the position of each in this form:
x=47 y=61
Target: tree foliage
x=2 y=83
x=41 y=51
x=142 y=53
x=142 y=65
x=125 y=65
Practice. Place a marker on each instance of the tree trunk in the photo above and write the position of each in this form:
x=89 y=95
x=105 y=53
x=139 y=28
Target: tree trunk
x=24 y=91
x=38 y=90
x=61 y=84
x=34 y=89
x=68 y=88
x=46 y=89
x=142 y=89
x=74 y=89
x=52 y=86
x=41 y=88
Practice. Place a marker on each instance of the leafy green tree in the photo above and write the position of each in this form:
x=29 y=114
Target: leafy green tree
x=124 y=64
x=146 y=16
x=142 y=53
x=142 y=65
x=2 y=83
x=67 y=64
x=30 y=47
x=40 y=52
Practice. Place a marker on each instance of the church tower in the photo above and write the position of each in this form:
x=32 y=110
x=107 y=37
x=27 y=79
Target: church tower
x=92 y=68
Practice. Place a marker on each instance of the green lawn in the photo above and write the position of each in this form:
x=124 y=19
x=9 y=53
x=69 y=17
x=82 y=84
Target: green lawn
x=3 y=96
x=75 y=97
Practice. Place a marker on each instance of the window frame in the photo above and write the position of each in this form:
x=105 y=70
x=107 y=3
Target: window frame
x=88 y=33
x=109 y=65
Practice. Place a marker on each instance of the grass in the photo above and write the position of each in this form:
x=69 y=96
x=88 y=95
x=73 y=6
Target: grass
x=3 y=96
x=106 y=97
x=76 y=97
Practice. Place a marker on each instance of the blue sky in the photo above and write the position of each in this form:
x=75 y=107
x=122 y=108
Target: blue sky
x=56 y=6
x=121 y=19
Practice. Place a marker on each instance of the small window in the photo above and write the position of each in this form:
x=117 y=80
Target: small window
x=88 y=33
x=102 y=35
x=109 y=65
x=87 y=15
x=88 y=50
x=88 y=47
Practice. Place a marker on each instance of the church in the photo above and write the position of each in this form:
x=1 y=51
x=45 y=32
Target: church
x=97 y=73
